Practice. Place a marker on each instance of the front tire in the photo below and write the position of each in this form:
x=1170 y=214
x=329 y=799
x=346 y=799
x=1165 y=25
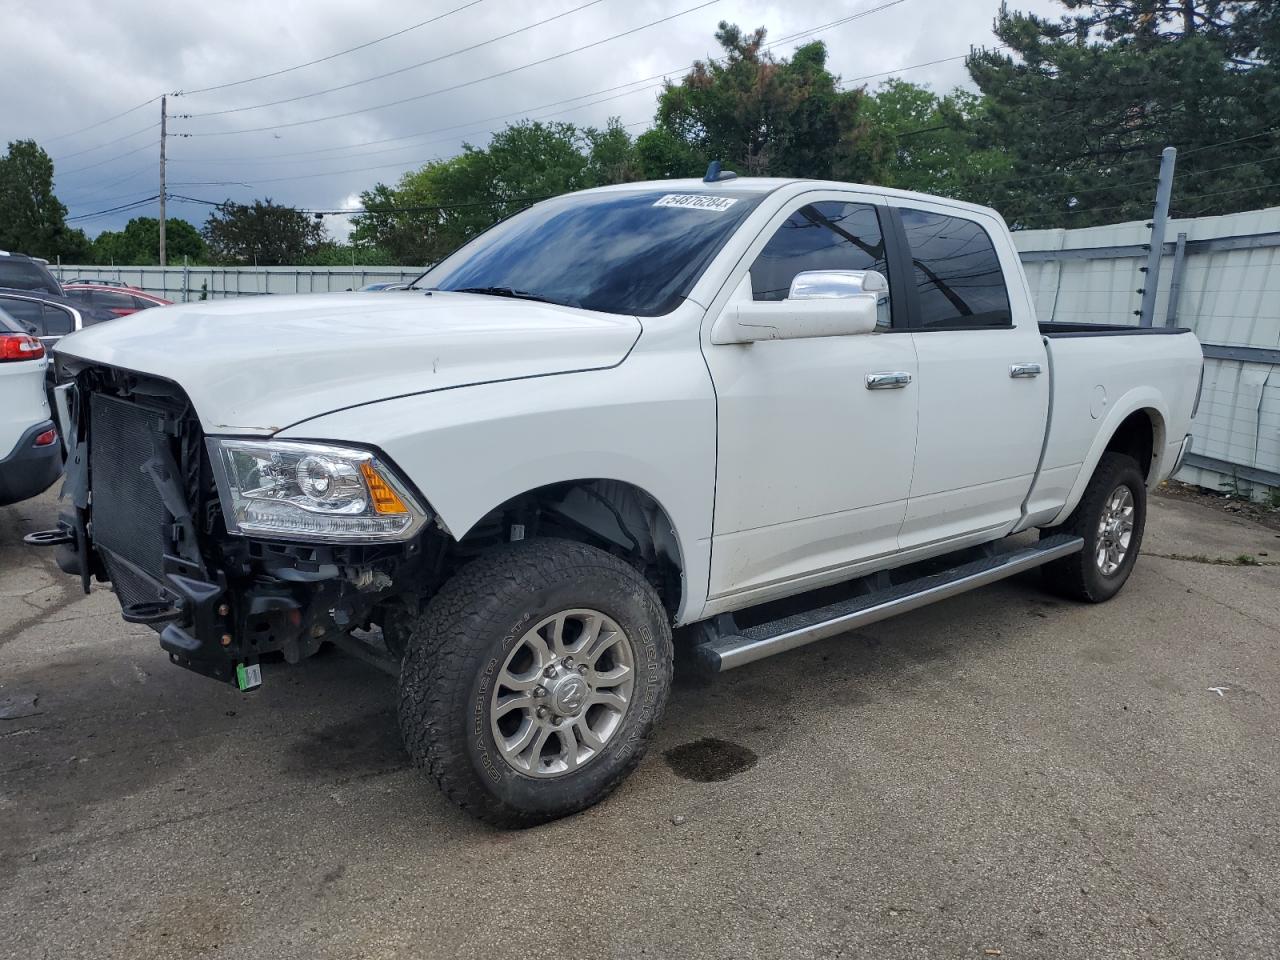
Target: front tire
x=1111 y=518
x=532 y=681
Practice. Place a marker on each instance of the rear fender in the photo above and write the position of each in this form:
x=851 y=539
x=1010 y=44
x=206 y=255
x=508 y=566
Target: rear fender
x=1139 y=398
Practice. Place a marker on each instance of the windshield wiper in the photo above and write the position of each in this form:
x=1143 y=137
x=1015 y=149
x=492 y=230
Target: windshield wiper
x=505 y=292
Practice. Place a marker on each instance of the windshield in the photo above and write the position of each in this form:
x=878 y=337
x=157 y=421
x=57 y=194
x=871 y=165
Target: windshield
x=628 y=252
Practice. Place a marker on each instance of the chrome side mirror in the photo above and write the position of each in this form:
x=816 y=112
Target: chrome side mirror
x=837 y=284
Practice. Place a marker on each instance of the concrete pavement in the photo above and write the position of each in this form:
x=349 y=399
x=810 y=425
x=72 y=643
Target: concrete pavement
x=1002 y=772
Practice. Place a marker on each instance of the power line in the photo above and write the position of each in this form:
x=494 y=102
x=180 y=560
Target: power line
x=119 y=156
x=657 y=77
x=131 y=196
x=914 y=66
x=332 y=56
x=647 y=82
x=279 y=157
x=1223 y=143
x=459 y=86
x=68 y=156
x=94 y=126
x=400 y=70
x=235 y=83
x=120 y=209
x=380 y=210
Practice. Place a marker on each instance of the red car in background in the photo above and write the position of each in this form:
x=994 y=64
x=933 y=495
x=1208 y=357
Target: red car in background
x=118 y=300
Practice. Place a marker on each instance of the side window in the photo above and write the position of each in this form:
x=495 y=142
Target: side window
x=141 y=304
x=29 y=313
x=111 y=300
x=957 y=273
x=57 y=321
x=820 y=236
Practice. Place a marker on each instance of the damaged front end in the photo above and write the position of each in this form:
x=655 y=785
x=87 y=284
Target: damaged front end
x=229 y=548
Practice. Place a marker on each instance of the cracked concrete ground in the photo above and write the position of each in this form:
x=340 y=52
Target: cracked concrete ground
x=1003 y=772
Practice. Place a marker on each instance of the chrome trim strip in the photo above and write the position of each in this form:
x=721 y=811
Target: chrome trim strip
x=751 y=651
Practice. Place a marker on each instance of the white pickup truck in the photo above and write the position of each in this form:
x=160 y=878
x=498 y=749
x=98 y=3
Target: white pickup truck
x=765 y=411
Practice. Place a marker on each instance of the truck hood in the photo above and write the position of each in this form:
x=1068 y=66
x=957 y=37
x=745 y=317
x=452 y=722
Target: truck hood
x=256 y=365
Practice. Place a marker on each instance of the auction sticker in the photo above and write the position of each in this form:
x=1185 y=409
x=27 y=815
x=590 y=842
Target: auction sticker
x=696 y=201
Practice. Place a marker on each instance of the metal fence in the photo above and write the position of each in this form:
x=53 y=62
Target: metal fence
x=1221 y=277
x=186 y=283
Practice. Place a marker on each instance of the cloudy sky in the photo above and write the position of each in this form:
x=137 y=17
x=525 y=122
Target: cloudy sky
x=364 y=116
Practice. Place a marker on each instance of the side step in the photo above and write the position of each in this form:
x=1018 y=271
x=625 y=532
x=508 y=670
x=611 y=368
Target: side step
x=726 y=651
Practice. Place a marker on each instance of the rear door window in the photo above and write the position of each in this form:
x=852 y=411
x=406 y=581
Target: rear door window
x=958 y=280
x=29 y=313
x=58 y=321
x=42 y=319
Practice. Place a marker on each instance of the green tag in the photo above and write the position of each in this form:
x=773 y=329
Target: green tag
x=248 y=676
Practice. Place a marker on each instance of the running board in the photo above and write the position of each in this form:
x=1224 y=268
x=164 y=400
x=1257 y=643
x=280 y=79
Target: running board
x=729 y=650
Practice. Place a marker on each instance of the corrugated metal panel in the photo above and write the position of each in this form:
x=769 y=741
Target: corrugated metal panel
x=188 y=283
x=1229 y=297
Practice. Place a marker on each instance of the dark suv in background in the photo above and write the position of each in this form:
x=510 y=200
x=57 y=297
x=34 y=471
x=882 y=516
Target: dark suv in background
x=20 y=272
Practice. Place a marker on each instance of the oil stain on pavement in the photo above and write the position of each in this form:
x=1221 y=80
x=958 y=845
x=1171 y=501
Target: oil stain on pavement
x=709 y=760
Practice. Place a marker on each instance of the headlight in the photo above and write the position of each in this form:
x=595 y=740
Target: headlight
x=311 y=491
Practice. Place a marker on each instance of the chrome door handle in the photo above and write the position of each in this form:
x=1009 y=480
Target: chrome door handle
x=888 y=381
x=1019 y=370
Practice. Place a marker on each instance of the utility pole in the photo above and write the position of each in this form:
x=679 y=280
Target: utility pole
x=1151 y=282
x=164 y=102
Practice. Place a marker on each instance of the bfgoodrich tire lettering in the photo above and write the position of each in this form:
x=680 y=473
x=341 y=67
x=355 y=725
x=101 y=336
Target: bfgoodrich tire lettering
x=456 y=651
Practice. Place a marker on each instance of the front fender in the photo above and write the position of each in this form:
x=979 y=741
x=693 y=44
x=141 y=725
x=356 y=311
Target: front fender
x=649 y=422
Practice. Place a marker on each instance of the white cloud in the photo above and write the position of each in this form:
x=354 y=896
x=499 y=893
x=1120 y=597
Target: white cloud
x=59 y=79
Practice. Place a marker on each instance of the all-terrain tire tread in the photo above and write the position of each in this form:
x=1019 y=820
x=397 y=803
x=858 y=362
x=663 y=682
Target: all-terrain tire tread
x=434 y=673
x=1069 y=576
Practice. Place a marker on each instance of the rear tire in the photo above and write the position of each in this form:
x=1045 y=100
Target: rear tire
x=532 y=681
x=1111 y=518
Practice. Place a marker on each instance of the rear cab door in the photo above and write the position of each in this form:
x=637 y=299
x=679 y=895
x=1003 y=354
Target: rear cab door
x=984 y=386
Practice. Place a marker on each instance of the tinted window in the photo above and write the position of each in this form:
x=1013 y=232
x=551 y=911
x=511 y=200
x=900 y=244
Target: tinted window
x=820 y=236
x=26 y=275
x=29 y=313
x=112 y=300
x=629 y=252
x=10 y=325
x=57 y=321
x=957 y=273
x=44 y=319
x=84 y=296
x=140 y=304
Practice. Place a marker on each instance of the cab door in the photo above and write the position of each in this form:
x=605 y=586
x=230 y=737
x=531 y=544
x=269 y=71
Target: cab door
x=984 y=378
x=816 y=437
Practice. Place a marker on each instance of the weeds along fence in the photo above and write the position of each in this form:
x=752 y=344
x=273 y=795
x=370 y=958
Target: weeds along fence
x=1220 y=276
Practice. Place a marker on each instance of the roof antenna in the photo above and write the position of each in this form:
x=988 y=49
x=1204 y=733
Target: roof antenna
x=716 y=175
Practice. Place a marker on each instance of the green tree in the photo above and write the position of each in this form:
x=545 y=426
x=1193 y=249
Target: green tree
x=32 y=219
x=263 y=233
x=139 y=242
x=435 y=209
x=916 y=140
x=759 y=114
x=1084 y=103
